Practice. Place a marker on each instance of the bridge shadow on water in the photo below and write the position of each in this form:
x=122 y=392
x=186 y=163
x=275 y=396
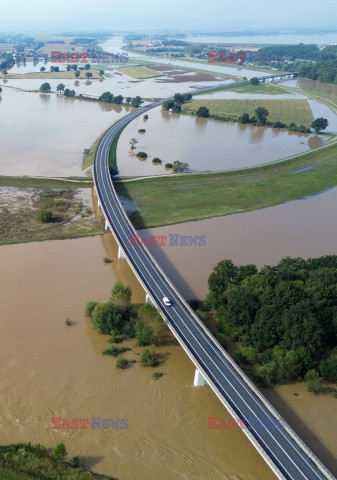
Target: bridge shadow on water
x=302 y=430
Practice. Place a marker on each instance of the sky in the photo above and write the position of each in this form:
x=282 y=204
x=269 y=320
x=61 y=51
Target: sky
x=134 y=15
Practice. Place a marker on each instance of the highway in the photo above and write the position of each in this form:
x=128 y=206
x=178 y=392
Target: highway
x=289 y=457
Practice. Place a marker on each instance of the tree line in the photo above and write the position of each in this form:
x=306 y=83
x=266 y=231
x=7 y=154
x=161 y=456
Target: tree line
x=285 y=316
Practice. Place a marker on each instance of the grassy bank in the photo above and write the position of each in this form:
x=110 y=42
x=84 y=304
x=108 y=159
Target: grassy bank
x=29 y=462
x=285 y=111
x=183 y=198
x=70 y=183
x=140 y=72
x=21 y=211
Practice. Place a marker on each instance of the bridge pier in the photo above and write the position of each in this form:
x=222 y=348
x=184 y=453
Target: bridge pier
x=199 y=380
x=106 y=225
x=121 y=254
x=99 y=204
x=148 y=300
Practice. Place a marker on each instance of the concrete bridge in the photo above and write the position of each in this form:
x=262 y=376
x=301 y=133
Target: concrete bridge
x=281 y=448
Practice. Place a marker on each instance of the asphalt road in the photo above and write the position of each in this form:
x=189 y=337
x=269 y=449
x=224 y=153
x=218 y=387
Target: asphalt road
x=284 y=451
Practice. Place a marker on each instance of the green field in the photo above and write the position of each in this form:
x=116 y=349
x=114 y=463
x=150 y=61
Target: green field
x=140 y=72
x=187 y=197
x=71 y=183
x=285 y=111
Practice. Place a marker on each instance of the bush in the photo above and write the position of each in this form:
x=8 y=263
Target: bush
x=254 y=81
x=121 y=363
x=146 y=117
x=141 y=130
x=157 y=160
x=314 y=386
x=75 y=462
x=246 y=355
x=60 y=451
x=203 y=112
x=328 y=369
x=156 y=375
x=311 y=375
x=142 y=155
x=107 y=260
x=45 y=216
x=115 y=351
x=168 y=165
x=89 y=308
x=68 y=322
x=176 y=108
x=148 y=358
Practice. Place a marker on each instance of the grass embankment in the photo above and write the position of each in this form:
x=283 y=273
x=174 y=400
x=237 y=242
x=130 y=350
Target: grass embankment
x=70 y=183
x=247 y=87
x=65 y=75
x=28 y=462
x=20 y=221
x=140 y=72
x=183 y=198
x=285 y=111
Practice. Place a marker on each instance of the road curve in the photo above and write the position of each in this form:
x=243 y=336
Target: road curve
x=285 y=453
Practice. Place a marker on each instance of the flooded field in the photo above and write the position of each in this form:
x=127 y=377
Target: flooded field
x=261 y=237
x=205 y=144
x=50 y=142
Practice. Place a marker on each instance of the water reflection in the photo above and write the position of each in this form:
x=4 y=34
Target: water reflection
x=206 y=144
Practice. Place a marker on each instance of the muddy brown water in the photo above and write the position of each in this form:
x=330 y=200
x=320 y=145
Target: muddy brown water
x=205 y=144
x=49 y=369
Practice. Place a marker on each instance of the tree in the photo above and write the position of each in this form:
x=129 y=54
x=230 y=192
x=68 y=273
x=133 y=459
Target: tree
x=77 y=74
x=133 y=142
x=225 y=273
x=203 y=112
x=106 y=97
x=315 y=386
x=262 y=114
x=45 y=88
x=118 y=100
x=142 y=155
x=101 y=72
x=68 y=68
x=328 y=369
x=107 y=318
x=319 y=124
x=176 y=108
x=60 y=87
x=60 y=451
x=87 y=66
x=136 y=102
x=244 y=118
x=254 y=81
x=88 y=74
x=42 y=69
x=74 y=66
x=178 y=98
x=128 y=99
x=0 y=90
x=89 y=308
x=69 y=93
x=148 y=358
x=121 y=295
x=167 y=104
x=179 y=167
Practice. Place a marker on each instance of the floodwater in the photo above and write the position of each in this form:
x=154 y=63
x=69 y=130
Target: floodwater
x=115 y=44
x=205 y=144
x=261 y=237
x=45 y=135
x=51 y=370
